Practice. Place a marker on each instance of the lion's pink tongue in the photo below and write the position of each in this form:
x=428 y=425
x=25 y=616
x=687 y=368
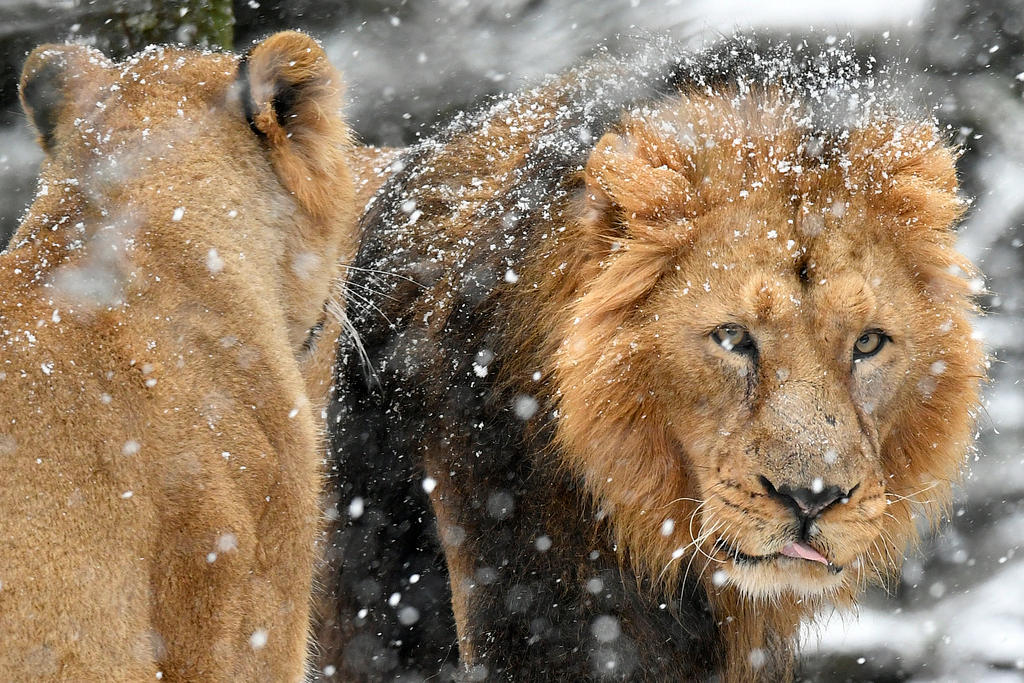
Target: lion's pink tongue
x=803 y=552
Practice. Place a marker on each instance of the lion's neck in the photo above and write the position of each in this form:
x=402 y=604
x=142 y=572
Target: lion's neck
x=759 y=636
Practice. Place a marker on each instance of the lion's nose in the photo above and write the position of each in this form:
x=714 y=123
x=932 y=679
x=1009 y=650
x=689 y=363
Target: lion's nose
x=807 y=502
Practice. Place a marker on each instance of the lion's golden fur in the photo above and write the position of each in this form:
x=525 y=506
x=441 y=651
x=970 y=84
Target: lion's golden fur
x=720 y=206
x=160 y=453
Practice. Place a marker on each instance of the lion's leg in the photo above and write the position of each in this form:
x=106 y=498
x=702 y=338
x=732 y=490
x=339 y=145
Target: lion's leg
x=538 y=591
x=235 y=591
x=382 y=545
x=520 y=611
x=280 y=620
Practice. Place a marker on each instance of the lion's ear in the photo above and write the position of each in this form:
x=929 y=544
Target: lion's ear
x=924 y=180
x=49 y=81
x=914 y=171
x=624 y=187
x=292 y=98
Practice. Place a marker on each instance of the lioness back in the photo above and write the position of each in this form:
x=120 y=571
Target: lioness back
x=653 y=361
x=160 y=457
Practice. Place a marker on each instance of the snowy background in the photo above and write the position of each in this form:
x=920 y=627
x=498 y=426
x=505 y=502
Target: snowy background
x=958 y=613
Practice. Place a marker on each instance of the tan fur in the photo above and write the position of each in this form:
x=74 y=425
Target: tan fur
x=160 y=454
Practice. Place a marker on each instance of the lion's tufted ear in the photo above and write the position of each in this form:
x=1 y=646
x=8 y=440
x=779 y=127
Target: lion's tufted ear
x=915 y=171
x=618 y=172
x=918 y=168
x=292 y=98
x=50 y=82
x=636 y=210
x=625 y=187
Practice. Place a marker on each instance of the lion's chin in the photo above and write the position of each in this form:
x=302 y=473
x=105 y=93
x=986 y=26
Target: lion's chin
x=779 y=576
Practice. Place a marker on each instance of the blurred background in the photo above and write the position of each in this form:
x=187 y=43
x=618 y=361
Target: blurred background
x=958 y=612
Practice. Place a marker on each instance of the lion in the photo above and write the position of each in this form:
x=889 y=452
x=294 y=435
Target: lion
x=161 y=457
x=656 y=361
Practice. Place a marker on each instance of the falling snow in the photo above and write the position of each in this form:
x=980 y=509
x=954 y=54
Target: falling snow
x=957 y=612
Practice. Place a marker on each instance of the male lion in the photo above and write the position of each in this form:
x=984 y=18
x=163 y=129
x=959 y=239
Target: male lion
x=668 y=350
x=160 y=458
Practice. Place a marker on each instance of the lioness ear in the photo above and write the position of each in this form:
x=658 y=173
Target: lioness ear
x=292 y=98
x=49 y=81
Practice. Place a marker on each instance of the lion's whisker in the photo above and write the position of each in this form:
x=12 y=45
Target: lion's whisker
x=883 y=577
x=369 y=289
x=886 y=542
x=704 y=568
x=676 y=500
x=679 y=552
x=910 y=496
x=361 y=298
x=382 y=272
x=696 y=543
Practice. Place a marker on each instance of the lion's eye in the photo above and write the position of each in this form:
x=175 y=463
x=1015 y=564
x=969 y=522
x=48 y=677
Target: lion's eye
x=868 y=344
x=733 y=338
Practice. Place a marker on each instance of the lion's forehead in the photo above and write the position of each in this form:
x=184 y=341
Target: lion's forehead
x=766 y=272
x=131 y=115
x=161 y=67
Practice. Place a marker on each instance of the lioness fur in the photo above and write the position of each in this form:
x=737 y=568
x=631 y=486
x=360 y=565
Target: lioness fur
x=160 y=456
x=543 y=416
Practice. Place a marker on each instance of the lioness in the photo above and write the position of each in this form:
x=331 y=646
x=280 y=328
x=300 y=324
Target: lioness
x=158 y=452
x=666 y=351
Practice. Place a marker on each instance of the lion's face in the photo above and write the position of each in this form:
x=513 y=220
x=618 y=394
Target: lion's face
x=786 y=354
x=787 y=357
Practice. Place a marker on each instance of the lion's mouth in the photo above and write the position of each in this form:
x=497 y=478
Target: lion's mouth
x=796 y=550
